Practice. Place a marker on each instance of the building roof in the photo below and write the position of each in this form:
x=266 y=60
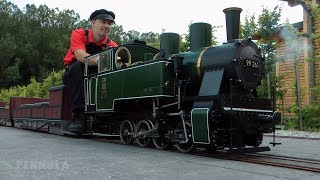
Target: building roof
x=293 y=3
x=297 y=25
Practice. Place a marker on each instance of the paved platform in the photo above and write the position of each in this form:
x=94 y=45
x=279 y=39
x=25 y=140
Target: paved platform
x=303 y=148
x=26 y=155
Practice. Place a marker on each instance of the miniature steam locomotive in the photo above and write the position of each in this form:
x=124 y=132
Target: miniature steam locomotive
x=205 y=97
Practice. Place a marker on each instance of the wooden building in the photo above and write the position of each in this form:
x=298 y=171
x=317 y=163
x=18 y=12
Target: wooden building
x=297 y=53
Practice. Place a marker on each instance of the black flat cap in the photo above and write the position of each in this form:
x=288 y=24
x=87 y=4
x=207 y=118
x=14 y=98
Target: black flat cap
x=102 y=14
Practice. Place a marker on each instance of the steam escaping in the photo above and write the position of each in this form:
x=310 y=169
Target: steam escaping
x=293 y=41
x=295 y=47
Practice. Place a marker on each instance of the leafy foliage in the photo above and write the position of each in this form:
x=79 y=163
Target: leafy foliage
x=34 y=41
x=34 y=88
x=310 y=112
x=311 y=117
x=264 y=29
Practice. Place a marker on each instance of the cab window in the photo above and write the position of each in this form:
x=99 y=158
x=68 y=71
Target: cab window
x=104 y=63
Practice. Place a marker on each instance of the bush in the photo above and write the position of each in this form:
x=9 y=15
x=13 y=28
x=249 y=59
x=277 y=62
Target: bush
x=16 y=91
x=54 y=79
x=310 y=117
x=34 y=89
x=292 y=124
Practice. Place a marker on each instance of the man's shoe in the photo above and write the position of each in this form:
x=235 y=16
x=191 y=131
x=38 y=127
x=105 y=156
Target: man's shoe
x=78 y=124
x=76 y=127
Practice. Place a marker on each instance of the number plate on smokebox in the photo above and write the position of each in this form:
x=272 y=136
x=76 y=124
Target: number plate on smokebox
x=251 y=63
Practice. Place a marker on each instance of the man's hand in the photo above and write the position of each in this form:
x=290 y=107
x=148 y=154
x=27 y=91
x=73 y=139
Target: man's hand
x=93 y=61
x=81 y=54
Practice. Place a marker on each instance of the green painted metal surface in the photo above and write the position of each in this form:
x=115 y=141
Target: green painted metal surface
x=200 y=35
x=86 y=90
x=93 y=91
x=169 y=42
x=190 y=60
x=200 y=128
x=141 y=53
x=147 y=80
x=210 y=86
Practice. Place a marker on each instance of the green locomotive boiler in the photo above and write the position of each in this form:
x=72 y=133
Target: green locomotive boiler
x=205 y=97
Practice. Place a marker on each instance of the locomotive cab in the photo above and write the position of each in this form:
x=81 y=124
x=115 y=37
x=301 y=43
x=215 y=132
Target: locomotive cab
x=124 y=56
x=119 y=70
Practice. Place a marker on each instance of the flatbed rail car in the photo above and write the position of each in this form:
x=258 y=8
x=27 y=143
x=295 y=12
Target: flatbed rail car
x=4 y=114
x=40 y=114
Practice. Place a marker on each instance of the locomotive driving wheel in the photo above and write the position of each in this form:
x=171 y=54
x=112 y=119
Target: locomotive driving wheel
x=142 y=127
x=126 y=127
x=161 y=142
x=189 y=145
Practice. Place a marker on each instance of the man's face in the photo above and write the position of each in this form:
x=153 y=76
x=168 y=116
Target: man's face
x=101 y=27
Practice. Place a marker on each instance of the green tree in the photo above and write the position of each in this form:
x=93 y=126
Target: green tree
x=250 y=27
x=117 y=34
x=35 y=41
x=308 y=116
x=152 y=39
x=265 y=29
x=9 y=14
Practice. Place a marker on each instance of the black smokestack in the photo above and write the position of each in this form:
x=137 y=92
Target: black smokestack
x=232 y=22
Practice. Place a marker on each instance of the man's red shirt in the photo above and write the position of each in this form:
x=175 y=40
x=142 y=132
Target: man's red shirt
x=78 y=41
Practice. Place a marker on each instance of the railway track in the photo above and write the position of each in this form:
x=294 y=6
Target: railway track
x=303 y=164
x=296 y=163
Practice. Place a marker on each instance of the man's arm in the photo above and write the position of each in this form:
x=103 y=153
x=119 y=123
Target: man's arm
x=81 y=54
x=78 y=42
